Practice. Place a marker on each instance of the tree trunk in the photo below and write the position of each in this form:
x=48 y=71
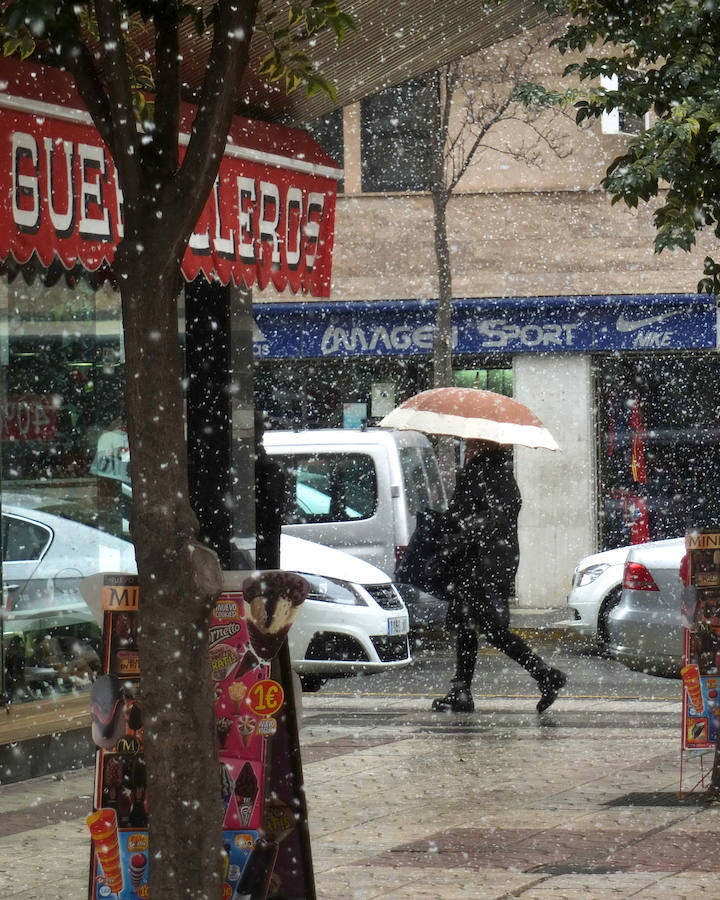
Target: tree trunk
x=179 y=580
x=442 y=344
x=442 y=358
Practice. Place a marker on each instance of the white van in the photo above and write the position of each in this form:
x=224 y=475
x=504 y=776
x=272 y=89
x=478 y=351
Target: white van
x=358 y=491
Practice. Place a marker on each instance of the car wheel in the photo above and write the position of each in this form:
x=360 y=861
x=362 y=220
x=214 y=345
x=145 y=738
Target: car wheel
x=609 y=603
x=312 y=683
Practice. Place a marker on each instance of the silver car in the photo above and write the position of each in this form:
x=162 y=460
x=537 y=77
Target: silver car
x=645 y=628
x=595 y=591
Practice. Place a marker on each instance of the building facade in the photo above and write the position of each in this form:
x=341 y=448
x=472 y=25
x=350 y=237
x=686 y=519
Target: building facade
x=560 y=300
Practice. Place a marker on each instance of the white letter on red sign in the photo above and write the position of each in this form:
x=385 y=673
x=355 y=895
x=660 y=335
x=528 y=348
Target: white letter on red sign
x=293 y=211
x=120 y=207
x=246 y=191
x=92 y=158
x=25 y=146
x=316 y=204
x=224 y=247
x=270 y=194
x=62 y=222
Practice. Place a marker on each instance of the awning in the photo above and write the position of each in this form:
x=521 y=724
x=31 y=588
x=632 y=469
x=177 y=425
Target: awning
x=486 y=326
x=269 y=218
x=392 y=42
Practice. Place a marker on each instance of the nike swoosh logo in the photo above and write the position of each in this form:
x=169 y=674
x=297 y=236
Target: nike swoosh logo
x=624 y=324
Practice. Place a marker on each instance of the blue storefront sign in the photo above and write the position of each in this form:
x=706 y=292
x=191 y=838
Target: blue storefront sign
x=324 y=330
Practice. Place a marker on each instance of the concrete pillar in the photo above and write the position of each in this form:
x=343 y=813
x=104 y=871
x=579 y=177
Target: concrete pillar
x=558 y=521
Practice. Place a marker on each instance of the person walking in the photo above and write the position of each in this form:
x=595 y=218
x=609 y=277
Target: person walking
x=483 y=555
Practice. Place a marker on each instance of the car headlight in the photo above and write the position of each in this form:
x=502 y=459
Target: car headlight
x=331 y=590
x=587 y=576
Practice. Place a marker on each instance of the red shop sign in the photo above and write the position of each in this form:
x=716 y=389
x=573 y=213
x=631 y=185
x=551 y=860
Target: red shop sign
x=269 y=217
x=30 y=418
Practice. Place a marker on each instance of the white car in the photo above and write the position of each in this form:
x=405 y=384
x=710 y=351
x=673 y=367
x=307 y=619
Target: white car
x=596 y=590
x=354 y=620
x=50 y=639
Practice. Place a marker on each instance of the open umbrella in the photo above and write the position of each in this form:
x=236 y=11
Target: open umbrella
x=471 y=414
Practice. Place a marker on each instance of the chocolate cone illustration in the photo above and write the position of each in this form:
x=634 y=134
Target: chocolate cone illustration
x=246 y=791
x=223 y=726
x=272 y=600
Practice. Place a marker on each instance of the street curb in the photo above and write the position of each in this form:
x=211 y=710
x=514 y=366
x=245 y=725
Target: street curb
x=562 y=635
x=527 y=633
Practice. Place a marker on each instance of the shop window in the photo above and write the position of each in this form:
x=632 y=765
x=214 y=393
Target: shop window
x=500 y=381
x=618 y=120
x=395 y=137
x=62 y=387
x=329 y=488
x=658 y=431
x=328 y=131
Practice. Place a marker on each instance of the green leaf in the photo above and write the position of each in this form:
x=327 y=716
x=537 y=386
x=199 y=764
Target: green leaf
x=11 y=45
x=268 y=63
x=292 y=81
x=295 y=15
x=710 y=267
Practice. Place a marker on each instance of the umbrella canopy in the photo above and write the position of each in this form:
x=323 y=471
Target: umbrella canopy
x=473 y=415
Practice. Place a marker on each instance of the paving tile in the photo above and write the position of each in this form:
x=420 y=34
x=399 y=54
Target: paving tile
x=51 y=863
x=666 y=852
x=592 y=887
x=343 y=744
x=459 y=884
x=498 y=807
x=681 y=886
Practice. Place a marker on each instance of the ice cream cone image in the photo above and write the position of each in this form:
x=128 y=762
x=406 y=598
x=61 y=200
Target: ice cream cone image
x=691 y=679
x=222 y=727
x=104 y=833
x=272 y=600
x=236 y=692
x=246 y=791
x=246 y=728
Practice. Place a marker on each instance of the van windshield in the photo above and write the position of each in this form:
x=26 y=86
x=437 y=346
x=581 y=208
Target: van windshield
x=421 y=476
x=328 y=487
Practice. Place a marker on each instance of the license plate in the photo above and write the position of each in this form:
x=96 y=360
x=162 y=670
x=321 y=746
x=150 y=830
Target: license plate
x=397 y=626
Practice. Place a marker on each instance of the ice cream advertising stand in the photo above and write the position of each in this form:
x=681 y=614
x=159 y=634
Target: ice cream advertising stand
x=269 y=219
x=700 y=572
x=264 y=815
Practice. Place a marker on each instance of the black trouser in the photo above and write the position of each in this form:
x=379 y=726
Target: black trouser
x=499 y=636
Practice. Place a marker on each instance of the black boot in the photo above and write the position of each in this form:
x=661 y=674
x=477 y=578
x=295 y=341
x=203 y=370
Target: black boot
x=457 y=699
x=551 y=682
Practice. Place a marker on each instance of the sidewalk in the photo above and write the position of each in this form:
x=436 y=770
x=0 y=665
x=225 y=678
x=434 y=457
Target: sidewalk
x=406 y=803
x=531 y=623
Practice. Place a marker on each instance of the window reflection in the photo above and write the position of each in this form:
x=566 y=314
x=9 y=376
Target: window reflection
x=62 y=365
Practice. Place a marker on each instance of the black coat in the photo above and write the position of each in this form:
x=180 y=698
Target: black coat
x=482 y=521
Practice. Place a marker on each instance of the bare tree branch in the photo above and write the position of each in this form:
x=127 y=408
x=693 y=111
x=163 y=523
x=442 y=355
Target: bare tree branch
x=78 y=61
x=229 y=57
x=167 y=87
x=480 y=136
x=127 y=145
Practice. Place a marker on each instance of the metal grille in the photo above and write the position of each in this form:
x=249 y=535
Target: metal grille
x=385 y=596
x=392 y=648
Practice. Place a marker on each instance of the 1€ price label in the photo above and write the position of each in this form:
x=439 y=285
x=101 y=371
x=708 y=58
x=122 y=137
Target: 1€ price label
x=265 y=697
